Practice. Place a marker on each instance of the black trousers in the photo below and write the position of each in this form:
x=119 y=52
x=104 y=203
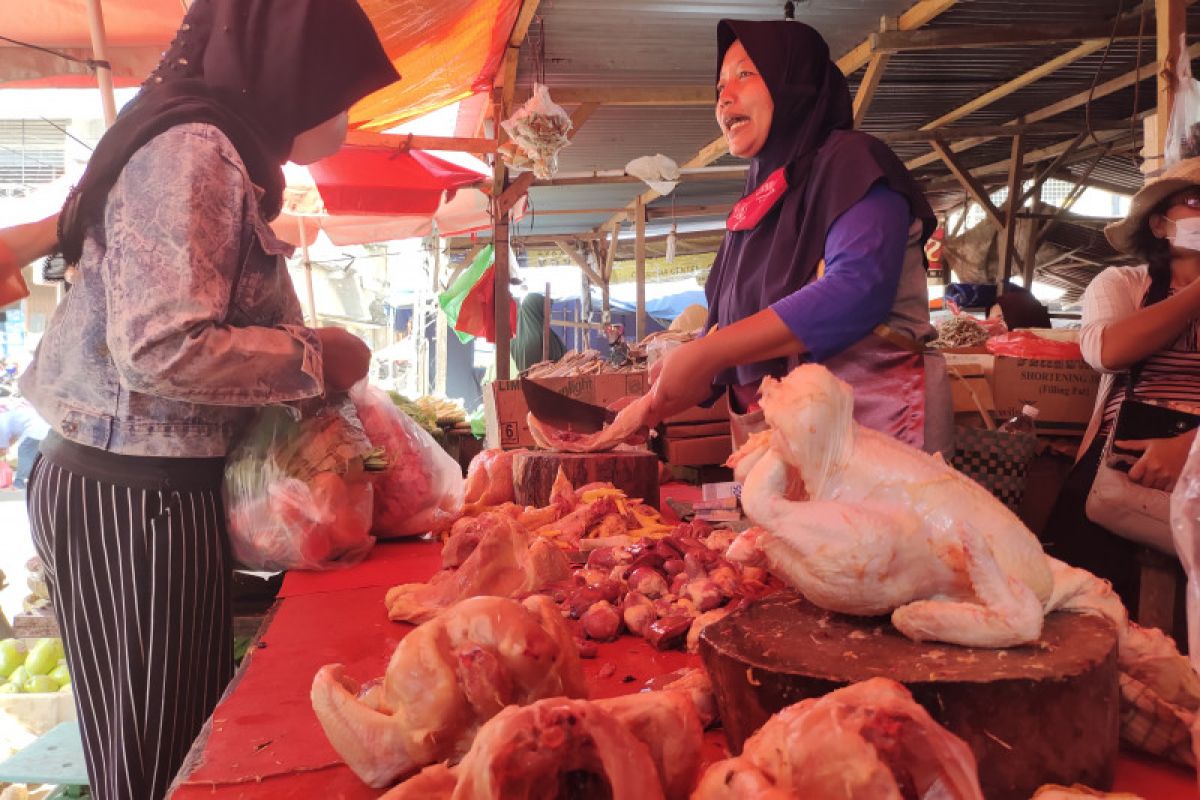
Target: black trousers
x=137 y=561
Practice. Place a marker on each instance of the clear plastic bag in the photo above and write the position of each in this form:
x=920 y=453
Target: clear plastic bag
x=296 y=491
x=1185 y=530
x=1183 y=130
x=422 y=488
x=538 y=130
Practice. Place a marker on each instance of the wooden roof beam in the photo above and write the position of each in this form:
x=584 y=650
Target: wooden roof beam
x=414 y=142
x=978 y=193
x=1001 y=35
x=700 y=95
x=580 y=261
x=1054 y=109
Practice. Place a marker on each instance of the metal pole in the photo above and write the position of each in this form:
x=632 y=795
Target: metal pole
x=546 y=305
x=640 y=269
x=100 y=53
x=308 y=279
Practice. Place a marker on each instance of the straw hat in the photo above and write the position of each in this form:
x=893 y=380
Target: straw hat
x=1180 y=176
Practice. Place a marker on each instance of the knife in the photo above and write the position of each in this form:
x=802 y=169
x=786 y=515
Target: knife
x=565 y=413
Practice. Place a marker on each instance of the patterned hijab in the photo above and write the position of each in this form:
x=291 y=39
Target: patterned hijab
x=262 y=71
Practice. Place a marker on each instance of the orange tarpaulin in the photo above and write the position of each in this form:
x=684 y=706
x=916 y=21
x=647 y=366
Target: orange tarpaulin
x=446 y=51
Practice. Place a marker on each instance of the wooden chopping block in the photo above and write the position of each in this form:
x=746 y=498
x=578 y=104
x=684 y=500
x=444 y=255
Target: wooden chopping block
x=634 y=472
x=1044 y=713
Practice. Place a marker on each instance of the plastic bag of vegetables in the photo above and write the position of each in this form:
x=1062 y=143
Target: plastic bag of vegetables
x=422 y=488
x=297 y=492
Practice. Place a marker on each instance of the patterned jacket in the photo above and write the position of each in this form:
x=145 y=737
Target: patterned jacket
x=182 y=318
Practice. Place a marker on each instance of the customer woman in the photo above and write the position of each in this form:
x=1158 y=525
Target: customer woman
x=1140 y=320
x=526 y=345
x=822 y=257
x=181 y=320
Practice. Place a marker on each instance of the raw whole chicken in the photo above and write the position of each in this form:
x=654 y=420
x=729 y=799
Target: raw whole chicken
x=489 y=480
x=628 y=422
x=860 y=523
x=636 y=747
x=867 y=741
x=445 y=679
x=503 y=561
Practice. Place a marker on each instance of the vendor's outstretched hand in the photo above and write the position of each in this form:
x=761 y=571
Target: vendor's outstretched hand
x=346 y=358
x=684 y=379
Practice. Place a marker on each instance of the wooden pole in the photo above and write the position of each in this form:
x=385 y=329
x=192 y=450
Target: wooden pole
x=1010 y=219
x=100 y=53
x=640 y=261
x=1031 y=242
x=308 y=279
x=1171 y=21
x=606 y=308
x=440 y=329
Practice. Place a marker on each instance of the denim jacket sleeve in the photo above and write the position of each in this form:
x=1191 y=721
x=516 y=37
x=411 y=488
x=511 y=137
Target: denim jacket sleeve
x=178 y=220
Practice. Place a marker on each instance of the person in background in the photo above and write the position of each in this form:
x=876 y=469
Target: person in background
x=1144 y=316
x=822 y=258
x=21 y=425
x=1018 y=308
x=526 y=345
x=181 y=320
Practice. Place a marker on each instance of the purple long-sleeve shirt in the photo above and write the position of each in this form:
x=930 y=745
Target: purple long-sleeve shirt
x=864 y=255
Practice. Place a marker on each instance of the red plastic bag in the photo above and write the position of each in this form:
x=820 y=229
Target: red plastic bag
x=422 y=488
x=6 y=475
x=1025 y=344
x=296 y=492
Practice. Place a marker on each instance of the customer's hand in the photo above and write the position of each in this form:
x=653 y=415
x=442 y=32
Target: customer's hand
x=1162 y=460
x=346 y=358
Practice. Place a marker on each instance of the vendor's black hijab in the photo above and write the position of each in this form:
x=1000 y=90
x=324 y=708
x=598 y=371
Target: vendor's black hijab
x=526 y=346
x=829 y=168
x=262 y=71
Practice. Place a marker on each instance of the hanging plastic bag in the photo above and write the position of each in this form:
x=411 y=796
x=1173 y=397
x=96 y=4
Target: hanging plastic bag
x=1183 y=130
x=297 y=493
x=422 y=488
x=658 y=172
x=538 y=130
x=1185 y=531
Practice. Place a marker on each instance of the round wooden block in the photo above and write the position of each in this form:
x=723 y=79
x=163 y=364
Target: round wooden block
x=634 y=472
x=1042 y=713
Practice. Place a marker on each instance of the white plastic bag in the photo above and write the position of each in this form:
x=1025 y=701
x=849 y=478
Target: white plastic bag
x=659 y=172
x=296 y=492
x=1185 y=528
x=422 y=488
x=1183 y=131
x=538 y=130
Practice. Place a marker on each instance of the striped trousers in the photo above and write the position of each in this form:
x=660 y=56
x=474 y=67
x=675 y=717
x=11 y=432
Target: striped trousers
x=139 y=575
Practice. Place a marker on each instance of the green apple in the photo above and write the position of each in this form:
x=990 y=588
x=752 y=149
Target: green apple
x=12 y=655
x=43 y=657
x=9 y=688
x=60 y=674
x=19 y=676
x=39 y=684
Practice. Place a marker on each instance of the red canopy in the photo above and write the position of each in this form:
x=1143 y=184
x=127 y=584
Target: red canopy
x=371 y=180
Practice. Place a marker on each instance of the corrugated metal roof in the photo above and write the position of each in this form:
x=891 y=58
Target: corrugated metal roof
x=640 y=43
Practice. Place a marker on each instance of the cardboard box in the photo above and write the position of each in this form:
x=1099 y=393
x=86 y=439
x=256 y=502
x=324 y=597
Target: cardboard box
x=698 y=451
x=1064 y=392
x=504 y=406
x=716 y=413
x=694 y=429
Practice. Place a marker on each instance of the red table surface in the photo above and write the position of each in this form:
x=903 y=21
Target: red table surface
x=266 y=742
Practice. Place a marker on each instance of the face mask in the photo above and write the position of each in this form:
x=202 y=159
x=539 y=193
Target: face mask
x=1186 y=233
x=320 y=141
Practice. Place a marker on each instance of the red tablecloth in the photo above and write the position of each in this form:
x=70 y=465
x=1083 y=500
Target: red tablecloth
x=266 y=742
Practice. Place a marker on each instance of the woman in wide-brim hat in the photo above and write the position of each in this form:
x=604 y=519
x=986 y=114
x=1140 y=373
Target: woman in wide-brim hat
x=1144 y=318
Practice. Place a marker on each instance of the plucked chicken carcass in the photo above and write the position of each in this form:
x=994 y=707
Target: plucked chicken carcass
x=489 y=480
x=867 y=741
x=636 y=747
x=628 y=422
x=495 y=556
x=445 y=679
x=860 y=523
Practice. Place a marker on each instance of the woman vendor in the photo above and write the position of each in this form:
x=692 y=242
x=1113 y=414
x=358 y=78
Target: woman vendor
x=822 y=257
